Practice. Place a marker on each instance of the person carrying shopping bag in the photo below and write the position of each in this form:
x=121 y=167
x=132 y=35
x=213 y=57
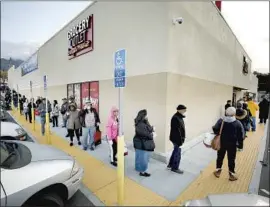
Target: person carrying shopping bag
x=90 y=123
x=112 y=131
x=143 y=143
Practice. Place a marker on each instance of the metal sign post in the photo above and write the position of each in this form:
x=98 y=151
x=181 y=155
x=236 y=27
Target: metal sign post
x=32 y=109
x=120 y=83
x=47 y=120
x=12 y=102
x=18 y=102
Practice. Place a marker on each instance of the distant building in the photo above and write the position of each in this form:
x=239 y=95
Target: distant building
x=263 y=84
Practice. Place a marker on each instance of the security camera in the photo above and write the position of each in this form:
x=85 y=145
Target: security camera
x=178 y=20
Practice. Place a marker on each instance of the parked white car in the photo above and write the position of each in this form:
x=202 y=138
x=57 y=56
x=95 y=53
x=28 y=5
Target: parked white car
x=11 y=130
x=230 y=199
x=37 y=175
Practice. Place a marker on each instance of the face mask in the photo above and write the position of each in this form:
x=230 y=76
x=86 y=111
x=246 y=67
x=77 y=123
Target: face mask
x=88 y=107
x=185 y=113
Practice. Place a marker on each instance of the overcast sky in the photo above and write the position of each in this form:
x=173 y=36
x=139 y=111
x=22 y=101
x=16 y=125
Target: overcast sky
x=27 y=25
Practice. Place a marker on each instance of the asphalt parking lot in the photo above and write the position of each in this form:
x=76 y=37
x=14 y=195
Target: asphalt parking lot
x=79 y=199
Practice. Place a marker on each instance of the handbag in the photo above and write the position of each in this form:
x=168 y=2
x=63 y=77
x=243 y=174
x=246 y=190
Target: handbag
x=215 y=144
x=148 y=144
x=208 y=138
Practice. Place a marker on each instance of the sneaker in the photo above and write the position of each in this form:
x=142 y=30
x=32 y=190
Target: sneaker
x=145 y=174
x=114 y=164
x=232 y=176
x=217 y=173
x=71 y=144
x=169 y=167
x=67 y=135
x=84 y=148
x=177 y=171
x=92 y=148
x=79 y=143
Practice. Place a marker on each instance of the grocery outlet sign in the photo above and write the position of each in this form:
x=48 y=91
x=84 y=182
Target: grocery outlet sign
x=80 y=38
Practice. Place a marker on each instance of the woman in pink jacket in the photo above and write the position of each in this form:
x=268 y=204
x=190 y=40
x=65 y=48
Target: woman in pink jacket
x=112 y=134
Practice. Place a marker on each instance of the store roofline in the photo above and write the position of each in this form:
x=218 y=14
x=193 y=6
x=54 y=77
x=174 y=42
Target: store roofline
x=94 y=2
x=213 y=3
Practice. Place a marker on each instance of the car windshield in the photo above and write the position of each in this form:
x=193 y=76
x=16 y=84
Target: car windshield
x=7 y=151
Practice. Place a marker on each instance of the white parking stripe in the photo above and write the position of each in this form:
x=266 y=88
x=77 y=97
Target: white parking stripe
x=265 y=191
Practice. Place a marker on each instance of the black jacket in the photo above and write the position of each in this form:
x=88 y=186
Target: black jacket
x=232 y=133
x=30 y=107
x=264 y=109
x=143 y=135
x=82 y=117
x=178 y=132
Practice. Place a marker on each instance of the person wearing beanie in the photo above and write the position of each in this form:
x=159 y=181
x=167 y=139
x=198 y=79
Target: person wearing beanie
x=177 y=137
x=241 y=115
x=231 y=135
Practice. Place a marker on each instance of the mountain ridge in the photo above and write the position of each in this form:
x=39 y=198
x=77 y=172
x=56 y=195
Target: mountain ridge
x=7 y=63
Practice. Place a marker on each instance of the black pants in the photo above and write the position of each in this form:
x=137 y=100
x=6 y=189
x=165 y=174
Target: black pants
x=113 y=149
x=55 y=121
x=26 y=116
x=71 y=134
x=230 y=148
x=263 y=120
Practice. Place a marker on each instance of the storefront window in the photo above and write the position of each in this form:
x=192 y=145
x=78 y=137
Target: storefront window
x=94 y=94
x=85 y=92
x=70 y=90
x=77 y=94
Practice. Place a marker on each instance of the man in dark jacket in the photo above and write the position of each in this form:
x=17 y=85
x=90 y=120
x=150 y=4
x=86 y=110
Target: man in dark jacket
x=231 y=134
x=229 y=104
x=242 y=116
x=177 y=137
x=264 y=110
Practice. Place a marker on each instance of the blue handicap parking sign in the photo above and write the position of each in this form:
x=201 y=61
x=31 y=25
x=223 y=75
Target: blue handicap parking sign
x=120 y=68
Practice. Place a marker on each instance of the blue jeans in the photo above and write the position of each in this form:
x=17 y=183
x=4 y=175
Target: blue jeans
x=141 y=160
x=253 y=125
x=88 y=136
x=175 y=157
x=43 y=121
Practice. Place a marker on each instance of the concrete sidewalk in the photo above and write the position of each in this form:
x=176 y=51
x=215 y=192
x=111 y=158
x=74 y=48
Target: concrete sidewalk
x=163 y=187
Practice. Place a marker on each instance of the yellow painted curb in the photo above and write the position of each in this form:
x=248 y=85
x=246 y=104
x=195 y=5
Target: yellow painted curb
x=207 y=183
x=98 y=177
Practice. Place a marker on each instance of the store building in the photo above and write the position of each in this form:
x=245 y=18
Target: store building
x=198 y=63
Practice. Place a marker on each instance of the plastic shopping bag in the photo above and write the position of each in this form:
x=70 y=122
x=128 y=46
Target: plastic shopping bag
x=208 y=138
x=125 y=149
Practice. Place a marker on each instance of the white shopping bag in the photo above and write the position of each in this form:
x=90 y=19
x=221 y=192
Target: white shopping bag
x=125 y=149
x=208 y=137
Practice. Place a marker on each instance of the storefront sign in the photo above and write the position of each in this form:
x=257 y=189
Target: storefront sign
x=30 y=65
x=80 y=38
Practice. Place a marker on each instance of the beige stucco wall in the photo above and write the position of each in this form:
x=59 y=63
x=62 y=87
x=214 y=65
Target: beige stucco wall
x=204 y=46
x=142 y=92
x=204 y=100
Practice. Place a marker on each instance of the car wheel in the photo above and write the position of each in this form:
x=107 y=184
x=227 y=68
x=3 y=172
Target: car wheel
x=50 y=199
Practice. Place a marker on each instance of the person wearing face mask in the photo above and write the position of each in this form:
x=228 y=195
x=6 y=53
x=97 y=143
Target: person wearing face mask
x=112 y=134
x=73 y=102
x=73 y=123
x=90 y=123
x=177 y=137
x=143 y=143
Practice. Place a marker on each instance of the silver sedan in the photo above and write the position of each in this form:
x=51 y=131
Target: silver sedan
x=37 y=175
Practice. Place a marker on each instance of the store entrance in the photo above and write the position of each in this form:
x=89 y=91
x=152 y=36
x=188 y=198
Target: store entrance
x=83 y=92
